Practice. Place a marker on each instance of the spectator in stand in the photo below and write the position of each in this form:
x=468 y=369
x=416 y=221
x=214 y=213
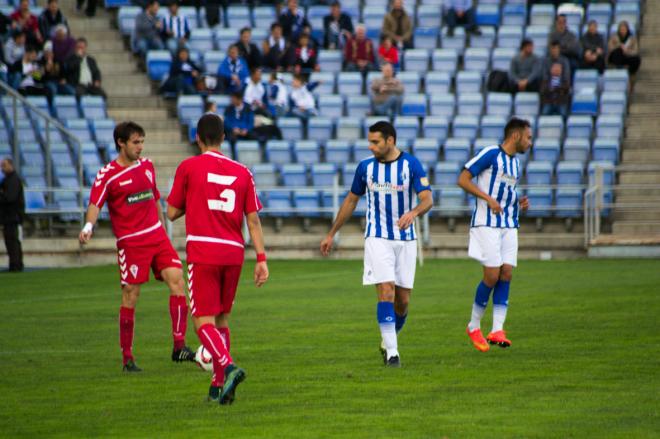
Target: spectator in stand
x=623 y=49
x=210 y=107
x=184 y=74
x=12 y=213
x=255 y=94
x=175 y=29
x=5 y=26
x=593 y=45
x=337 y=27
x=15 y=47
x=50 y=18
x=63 y=44
x=555 y=57
x=248 y=50
x=147 y=29
x=555 y=92
x=525 y=69
x=25 y=20
x=28 y=75
x=83 y=73
x=90 y=10
x=293 y=21
x=278 y=95
x=239 y=119
x=388 y=53
x=568 y=42
x=275 y=49
x=359 y=52
x=53 y=77
x=301 y=99
x=302 y=57
x=397 y=25
x=386 y=93
x=233 y=71
x=460 y=12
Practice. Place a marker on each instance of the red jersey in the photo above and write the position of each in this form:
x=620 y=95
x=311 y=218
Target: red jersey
x=131 y=194
x=216 y=192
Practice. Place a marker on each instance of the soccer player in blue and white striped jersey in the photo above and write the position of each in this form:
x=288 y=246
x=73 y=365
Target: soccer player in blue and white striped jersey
x=494 y=225
x=389 y=179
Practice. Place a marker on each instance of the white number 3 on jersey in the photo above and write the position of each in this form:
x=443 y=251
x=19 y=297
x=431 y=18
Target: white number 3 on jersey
x=228 y=196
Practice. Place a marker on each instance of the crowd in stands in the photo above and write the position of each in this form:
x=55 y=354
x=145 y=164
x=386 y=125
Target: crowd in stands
x=40 y=57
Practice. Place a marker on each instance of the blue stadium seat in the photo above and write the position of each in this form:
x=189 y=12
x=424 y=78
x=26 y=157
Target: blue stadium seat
x=427 y=16
x=493 y=127
x=212 y=60
x=585 y=102
x=103 y=131
x=457 y=150
x=601 y=12
x=608 y=172
x=547 y=149
x=66 y=107
x=435 y=127
x=158 y=64
x=294 y=174
x=326 y=82
x=446 y=173
x=526 y=104
x=278 y=152
x=457 y=42
x=509 y=37
x=609 y=126
x=615 y=80
x=330 y=60
x=485 y=40
x=357 y=105
x=514 y=15
x=613 y=102
x=452 y=202
x=248 y=152
x=484 y=142
x=569 y=203
x=278 y=203
x=426 y=150
x=323 y=174
x=80 y=129
x=349 y=83
x=201 y=40
x=338 y=152
x=126 y=19
x=425 y=38
x=445 y=60
x=606 y=150
x=361 y=151
x=34 y=201
x=470 y=104
x=25 y=131
x=629 y=12
x=501 y=58
x=499 y=104
x=414 y=105
x=223 y=38
x=540 y=201
x=410 y=80
x=468 y=82
x=291 y=128
x=577 y=149
x=465 y=127
x=443 y=105
x=437 y=83
x=488 y=15
x=238 y=16
x=191 y=15
x=264 y=16
x=93 y=107
x=550 y=126
x=585 y=79
x=221 y=101
x=320 y=128
x=38 y=101
x=539 y=35
x=570 y=173
x=372 y=16
x=307 y=203
x=307 y=151
x=539 y=173
x=542 y=14
x=476 y=59
x=579 y=126
x=348 y=128
x=331 y=105
x=407 y=127
x=265 y=175
x=35 y=158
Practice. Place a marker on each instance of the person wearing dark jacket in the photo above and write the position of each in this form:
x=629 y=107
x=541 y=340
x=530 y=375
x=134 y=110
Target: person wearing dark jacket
x=49 y=18
x=555 y=92
x=593 y=45
x=12 y=212
x=248 y=50
x=337 y=26
x=275 y=49
x=293 y=20
x=82 y=72
x=183 y=74
x=239 y=119
x=302 y=58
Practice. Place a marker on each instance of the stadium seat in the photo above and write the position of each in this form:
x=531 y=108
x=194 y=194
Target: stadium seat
x=158 y=64
x=465 y=127
x=435 y=127
x=331 y=106
x=550 y=126
x=416 y=60
x=80 y=129
x=443 y=105
x=470 y=104
x=437 y=83
x=425 y=38
x=488 y=15
x=330 y=60
x=457 y=42
x=103 y=131
x=539 y=173
x=446 y=173
x=629 y=12
x=189 y=108
x=294 y=174
x=307 y=203
x=248 y=152
x=501 y=58
x=221 y=101
x=414 y=105
x=427 y=16
x=338 y=152
x=493 y=127
x=307 y=152
x=509 y=37
x=542 y=15
x=201 y=40
x=601 y=12
x=514 y=15
x=540 y=202
x=278 y=152
x=606 y=150
x=372 y=16
x=568 y=203
x=585 y=102
x=278 y=203
x=291 y=128
x=410 y=80
x=361 y=151
x=539 y=35
x=357 y=106
x=451 y=202
x=445 y=60
x=484 y=41
x=212 y=60
x=613 y=102
x=407 y=127
x=526 y=104
x=264 y=16
x=66 y=107
x=34 y=201
x=320 y=128
x=476 y=59
x=126 y=19
x=579 y=126
x=457 y=150
x=349 y=83
x=370 y=120
x=499 y=104
x=608 y=173
x=468 y=82
x=569 y=173
x=238 y=16
x=576 y=149
x=348 y=128
x=223 y=38
x=547 y=149
x=326 y=82
x=93 y=107
x=323 y=174
x=615 y=80
x=426 y=150
x=585 y=80
x=609 y=126
x=265 y=175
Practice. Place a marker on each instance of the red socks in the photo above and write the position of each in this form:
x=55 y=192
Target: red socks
x=212 y=341
x=126 y=326
x=226 y=337
x=179 y=315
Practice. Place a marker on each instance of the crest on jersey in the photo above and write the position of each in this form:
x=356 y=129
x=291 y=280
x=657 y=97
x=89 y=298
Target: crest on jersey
x=149 y=175
x=424 y=181
x=134 y=270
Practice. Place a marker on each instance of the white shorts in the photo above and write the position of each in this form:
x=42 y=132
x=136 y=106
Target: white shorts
x=494 y=247
x=389 y=261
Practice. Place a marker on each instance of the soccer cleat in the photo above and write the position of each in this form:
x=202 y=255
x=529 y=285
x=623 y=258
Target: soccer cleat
x=383 y=351
x=478 y=340
x=214 y=394
x=499 y=338
x=130 y=366
x=393 y=361
x=183 y=354
x=234 y=375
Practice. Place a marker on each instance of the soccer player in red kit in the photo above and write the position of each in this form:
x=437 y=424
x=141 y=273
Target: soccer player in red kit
x=128 y=185
x=215 y=193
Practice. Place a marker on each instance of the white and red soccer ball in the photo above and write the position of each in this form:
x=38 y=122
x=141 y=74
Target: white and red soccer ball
x=204 y=359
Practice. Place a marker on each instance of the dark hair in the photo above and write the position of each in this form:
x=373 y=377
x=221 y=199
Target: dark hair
x=17 y=33
x=51 y=1
x=124 y=130
x=385 y=129
x=82 y=40
x=236 y=94
x=31 y=48
x=208 y=105
x=149 y=3
x=246 y=29
x=560 y=16
x=274 y=25
x=526 y=42
x=335 y=3
x=515 y=124
x=211 y=129
x=555 y=43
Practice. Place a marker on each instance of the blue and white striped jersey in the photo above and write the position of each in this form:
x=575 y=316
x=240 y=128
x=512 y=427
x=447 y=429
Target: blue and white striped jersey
x=389 y=188
x=497 y=175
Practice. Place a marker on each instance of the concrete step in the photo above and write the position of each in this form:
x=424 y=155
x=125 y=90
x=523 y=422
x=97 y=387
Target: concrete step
x=636 y=227
x=134 y=78
x=102 y=34
x=119 y=69
x=172 y=147
x=141 y=114
x=168 y=161
x=127 y=89
x=637 y=214
x=82 y=25
x=164 y=136
x=99 y=46
x=639 y=178
x=643 y=108
x=132 y=102
x=640 y=155
x=114 y=57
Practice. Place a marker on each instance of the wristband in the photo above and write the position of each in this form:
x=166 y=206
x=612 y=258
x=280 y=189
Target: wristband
x=88 y=227
x=261 y=257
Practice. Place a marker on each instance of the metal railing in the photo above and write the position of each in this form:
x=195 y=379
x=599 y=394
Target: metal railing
x=45 y=121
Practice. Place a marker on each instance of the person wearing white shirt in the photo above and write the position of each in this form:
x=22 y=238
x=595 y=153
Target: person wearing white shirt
x=302 y=101
x=255 y=93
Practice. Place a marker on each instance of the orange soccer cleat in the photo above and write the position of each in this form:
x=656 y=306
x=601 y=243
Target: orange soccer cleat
x=499 y=338
x=478 y=340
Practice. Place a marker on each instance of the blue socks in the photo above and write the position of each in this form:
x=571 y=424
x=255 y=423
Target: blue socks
x=501 y=294
x=386 y=321
x=400 y=320
x=483 y=294
x=479 y=305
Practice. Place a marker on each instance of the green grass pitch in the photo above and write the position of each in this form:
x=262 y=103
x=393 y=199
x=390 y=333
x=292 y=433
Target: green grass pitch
x=585 y=360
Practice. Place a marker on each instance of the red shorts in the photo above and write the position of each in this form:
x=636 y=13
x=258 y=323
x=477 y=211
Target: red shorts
x=135 y=261
x=212 y=288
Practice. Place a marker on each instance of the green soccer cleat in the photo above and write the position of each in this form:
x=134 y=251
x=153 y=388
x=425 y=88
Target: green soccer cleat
x=234 y=375
x=214 y=394
x=130 y=366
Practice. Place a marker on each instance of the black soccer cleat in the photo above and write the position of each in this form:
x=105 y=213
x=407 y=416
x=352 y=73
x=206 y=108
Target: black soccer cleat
x=183 y=354
x=130 y=366
x=214 y=394
x=234 y=375
x=393 y=361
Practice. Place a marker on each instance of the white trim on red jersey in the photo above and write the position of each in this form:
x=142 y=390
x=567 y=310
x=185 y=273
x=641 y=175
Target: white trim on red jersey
x=142 y=232
x=213 y=240
x=117 y=175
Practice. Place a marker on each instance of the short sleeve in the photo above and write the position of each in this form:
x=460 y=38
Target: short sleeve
x=177 y=196
x=98 y=195
x=481 y=161
x=359 y=186
x=252 y=202
x=419 y=178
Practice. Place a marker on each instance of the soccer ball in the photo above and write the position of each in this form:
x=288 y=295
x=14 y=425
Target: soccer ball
x=204 y=359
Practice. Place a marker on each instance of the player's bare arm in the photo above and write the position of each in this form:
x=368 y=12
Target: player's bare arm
x=91 y=217
x=425 y=204
x=465 y=183
x=161 y=216
x=257 y=237
x=345 y=212
x=174 y=213
x=524 y=203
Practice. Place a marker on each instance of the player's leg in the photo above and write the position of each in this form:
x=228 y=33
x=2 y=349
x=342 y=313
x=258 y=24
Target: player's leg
x=386 y=322
x=129 y=297
x=401 y=301
x=509 y=250
x=406 y=263
x=173 y=278
x=222 y=323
